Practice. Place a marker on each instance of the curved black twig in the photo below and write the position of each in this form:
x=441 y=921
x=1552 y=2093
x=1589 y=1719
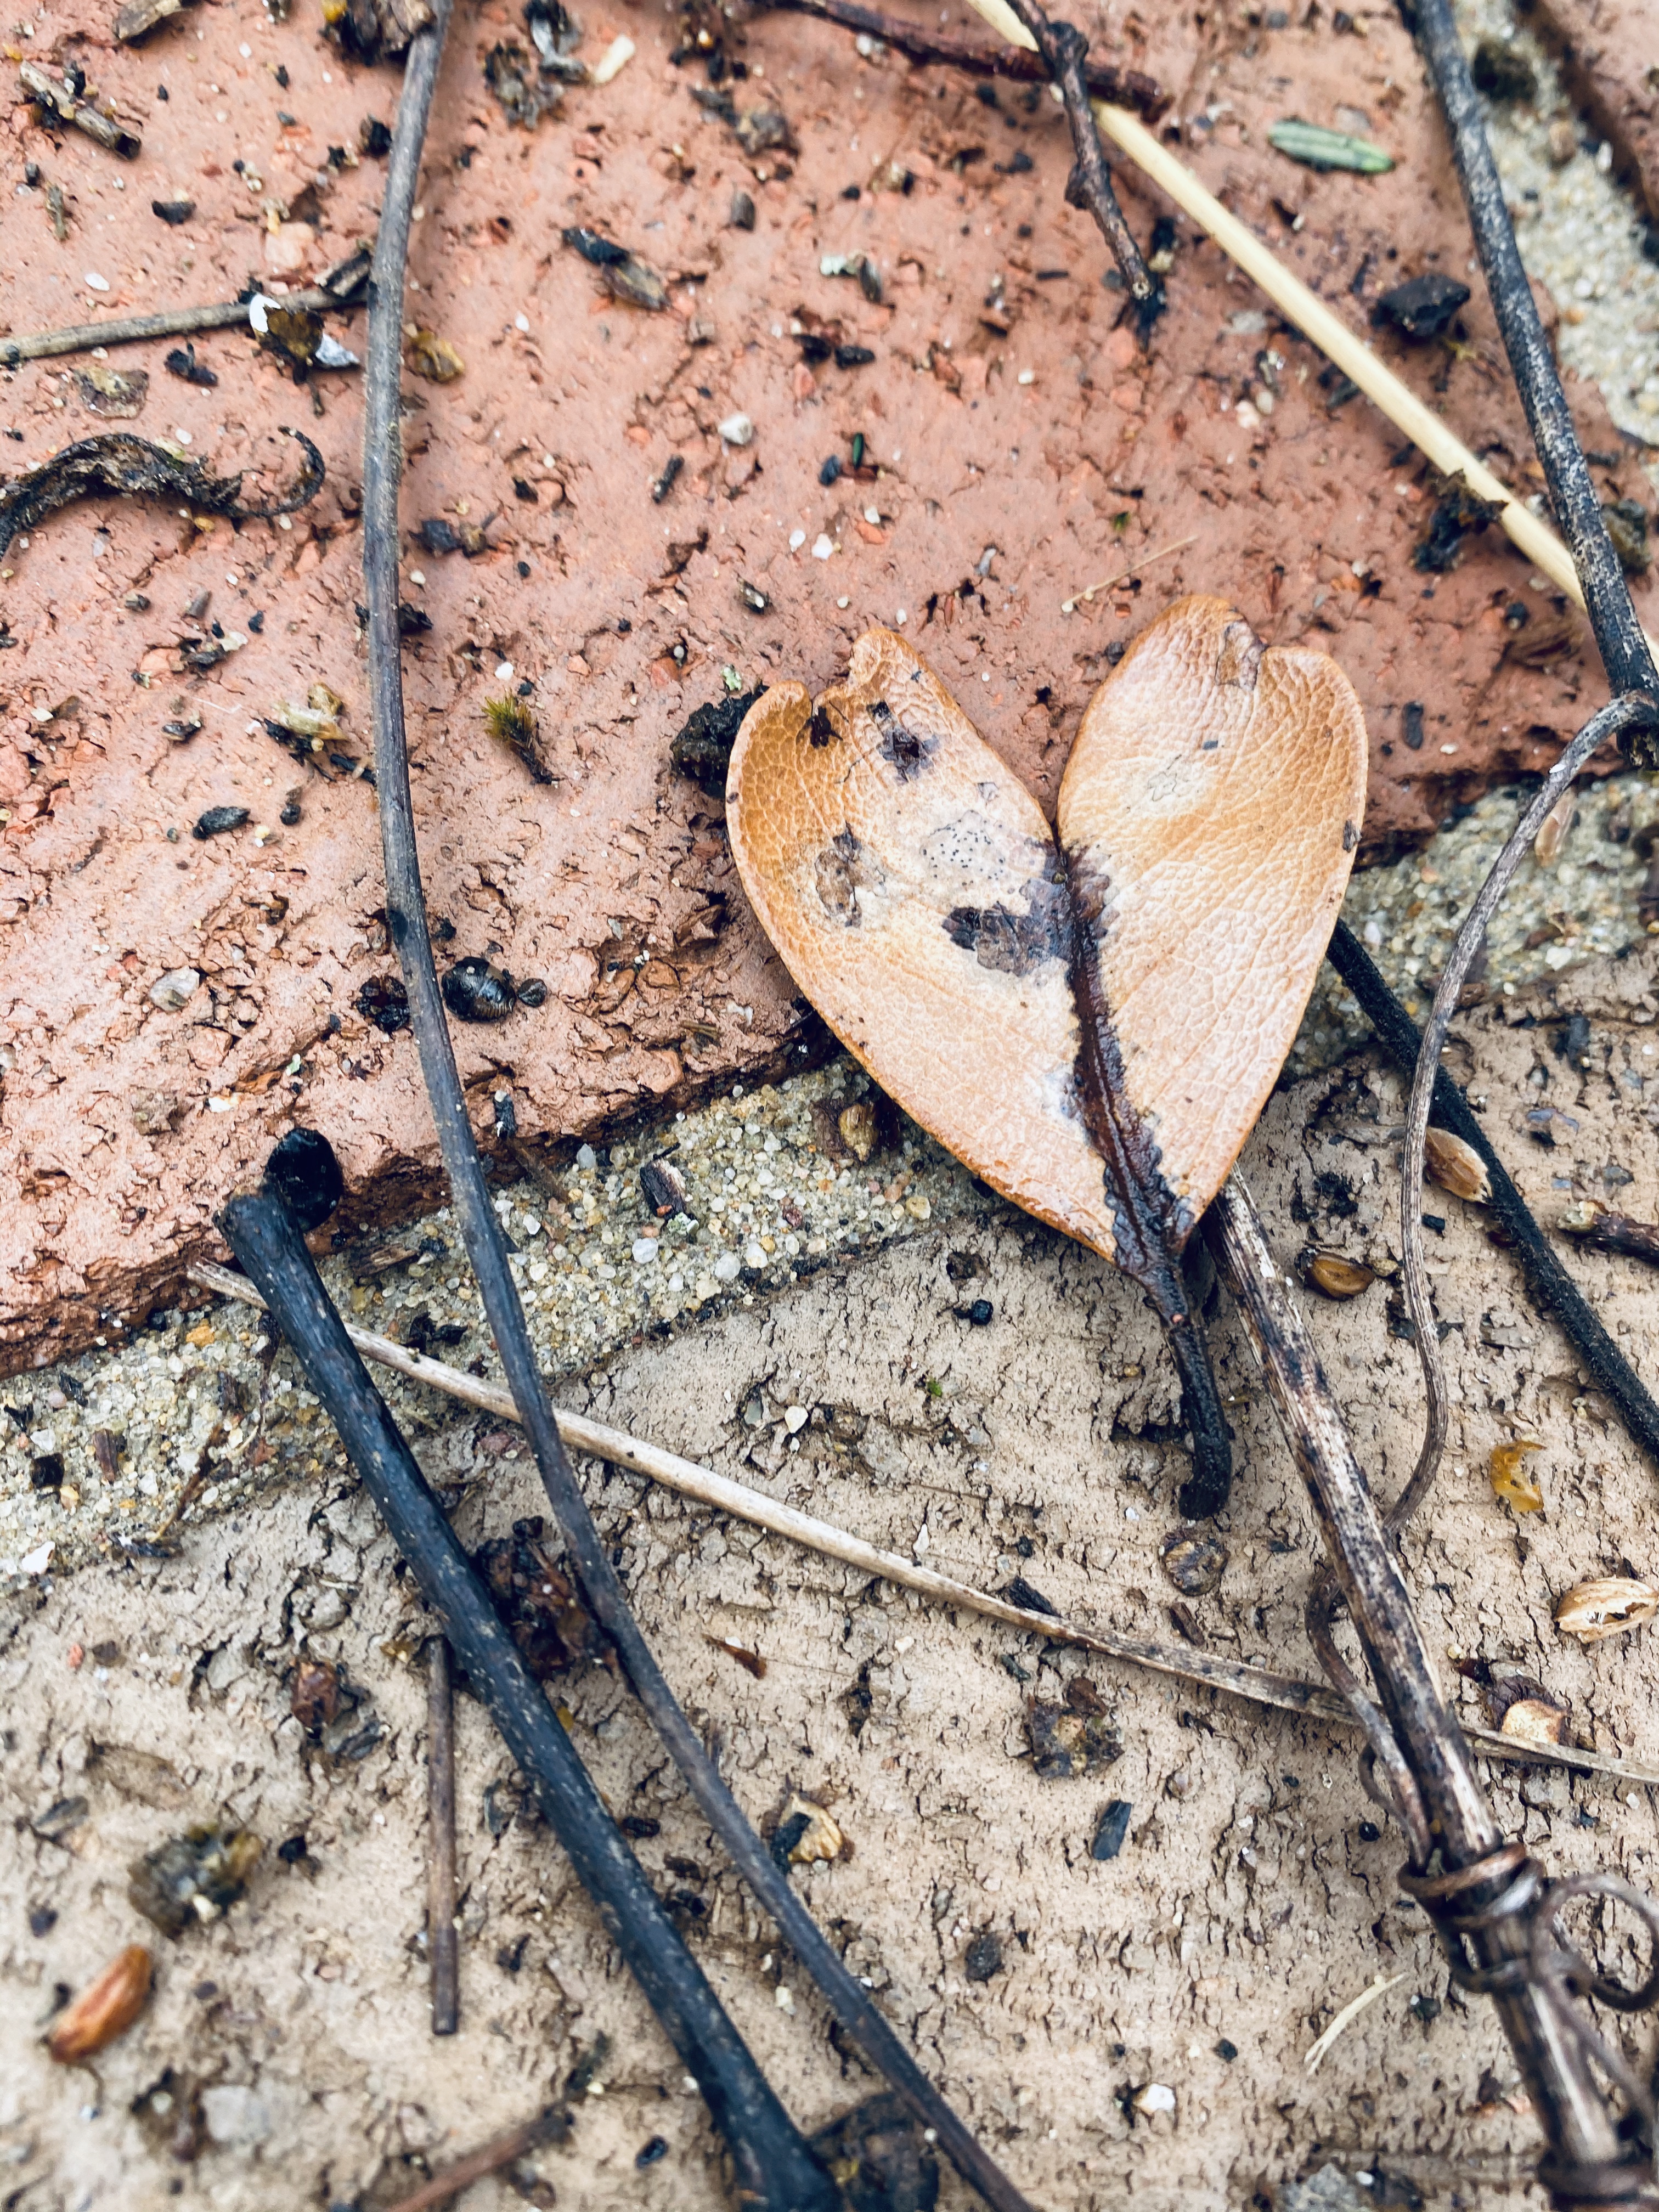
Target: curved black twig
x=1063 y=50
x=772 y=2159
x=1547 y=1280
x=407 y=926
x=1623 y=648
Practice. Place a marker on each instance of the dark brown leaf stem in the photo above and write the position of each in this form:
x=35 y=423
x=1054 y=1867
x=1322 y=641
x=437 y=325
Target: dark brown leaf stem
x=1623 y=648
x=1547 y=1281
x=1128 y=88
x=406 y=921
x=502 y=2150
x=1480 y=1886
x=1062 y=50
x=1600 y=1229
x=442 y=1937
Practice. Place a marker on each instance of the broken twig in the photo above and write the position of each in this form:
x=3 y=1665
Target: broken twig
x=1063 y=49
x=772 y=2157
x=1104 y=79
x=172 y=322
x=405 y=901
x=1598 y=1229
x=1261 y=1685
x=442 y=1937
x=501 y=2151
x=1489 y=1904
x=1626 y=653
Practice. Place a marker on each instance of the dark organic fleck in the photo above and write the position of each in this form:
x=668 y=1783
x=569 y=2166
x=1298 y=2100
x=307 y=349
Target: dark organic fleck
x=373 y=138
x=121 y=462
x=649 y=2152
x=663 y=1187
x=532 y=992
x=668 y=479
x=182 y=361
x=217 y=820
x=1112 y=1830
x=1501 y=73
x=785 y=1838
x=1626 y=524
x=512 y=724
x=1457 y=513
x=193 y=1877
x=46 y=1471
x=1029 y=1598
x=981 y=1313
x=853 y=356
x=1015 y=944
x=639 y=1826
x=537 y=1600
x=518 y=83
x=831 y=471
x=60 y=1819
x=304 y=1173
x=1424 y=306
x=1226 y=2051
x=881 y=2157
x=1067 y=1741
x=475 y=990
x=1411 y=715
x=906 y=750
x=752 y=596
x=173 y=211
x=983 y=1956
x=383 y=1001
x=1193 y=1563
x=857 y=1702
x=702 y=747
x=628 y=276
x=314 y=1695
x=742 y=214
x=42 y=1920
x=843 y=868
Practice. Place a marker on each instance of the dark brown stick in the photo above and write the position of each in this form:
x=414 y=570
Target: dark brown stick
x=1481 y=1872
x=1062 y=50
x=1599 y=1229
x=1129 y=88
x=442 y=1937
x=489 y=2158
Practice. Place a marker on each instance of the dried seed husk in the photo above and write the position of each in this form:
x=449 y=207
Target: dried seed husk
x=1534 y=1719
x=1553 y=830
x=1456 y=1166
x=820 y=1838
x=106 y=2008
x=1334 y=1274
x=1606 y=1605
x=1509 y=1479
x=434 y=358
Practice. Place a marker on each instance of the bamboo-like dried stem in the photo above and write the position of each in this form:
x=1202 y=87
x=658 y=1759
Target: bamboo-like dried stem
x=1583 y=2140
x=1261 y=1686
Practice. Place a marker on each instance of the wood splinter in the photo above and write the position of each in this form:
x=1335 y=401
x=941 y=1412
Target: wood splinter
x=443 y=1938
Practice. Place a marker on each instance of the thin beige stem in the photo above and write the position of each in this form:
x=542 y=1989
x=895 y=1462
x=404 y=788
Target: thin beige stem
x=1260 y=1685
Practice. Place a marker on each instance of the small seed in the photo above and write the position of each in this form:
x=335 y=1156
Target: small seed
x=105 y=2009
x=1335 y=1274
x=1606 y=1606
x=1553 y=830
x=1456 y=1166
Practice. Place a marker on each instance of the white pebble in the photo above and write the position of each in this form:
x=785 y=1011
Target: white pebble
x=616 y=56
x=645 y=1251
x=521 y=322
x=797 y=539
x=727 y=1268
x=96 y=283
x=738 y=430
x=587 y=1157
x=794 y=1419
x=753 y=1256
x=1028 y=376
x=503 y=671
x=822 y=546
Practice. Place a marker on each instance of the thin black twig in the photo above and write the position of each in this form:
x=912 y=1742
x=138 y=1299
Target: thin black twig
x=1062 y=49
x=1547 y=1281
x=407 y=926
x=1123 y=87
x=772 y=2157
x=1625 y=653
x=442 y=1937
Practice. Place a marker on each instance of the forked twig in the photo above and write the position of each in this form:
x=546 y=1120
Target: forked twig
x=406 y=922
x=1261 y=1686
x=1064 y=49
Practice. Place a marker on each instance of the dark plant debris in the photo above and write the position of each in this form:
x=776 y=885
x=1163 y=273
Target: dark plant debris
x=1194 y=1562
x=193 y=1877
x=538 y=1602
x=1423 y=308
x=525 y=95
x=628 y=276
x=175 y=211
x=1073 y=1739
x=217 y=820
x=440 y=536
x=182 y=361
x=702 y=747
x=304 y=1171
x=1501 y=73
x=383 y=1001
x=1111 y=1829
x=475 y=990
x=115 y=394
x=880 y=2157
x=1458 y=513
x=511 y=723
x=121 y=462
x=374 y=30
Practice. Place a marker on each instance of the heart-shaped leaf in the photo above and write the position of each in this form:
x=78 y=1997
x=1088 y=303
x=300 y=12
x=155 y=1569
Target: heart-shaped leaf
x=1093 y=1024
